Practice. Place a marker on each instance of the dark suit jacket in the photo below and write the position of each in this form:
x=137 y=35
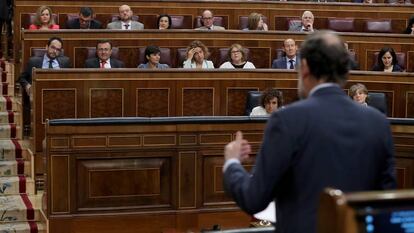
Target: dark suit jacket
x=281 y=63
x=94 y=63
x=395 y=68
x=326 y=140
x=36 y=62
x=75 y=24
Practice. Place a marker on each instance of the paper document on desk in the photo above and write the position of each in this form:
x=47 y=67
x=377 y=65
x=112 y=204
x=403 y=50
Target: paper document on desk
x=268 y=214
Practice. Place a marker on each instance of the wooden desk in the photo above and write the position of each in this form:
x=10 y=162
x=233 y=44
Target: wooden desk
x=155 y=174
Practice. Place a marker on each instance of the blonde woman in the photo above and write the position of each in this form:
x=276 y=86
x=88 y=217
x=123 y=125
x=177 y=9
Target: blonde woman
x=255 y=22
x=44 y=20
x=237 y=58
x=197 y=54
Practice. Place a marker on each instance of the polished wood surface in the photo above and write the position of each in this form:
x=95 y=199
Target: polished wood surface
x=263 y=45
x=105 y=172
x=85 y=93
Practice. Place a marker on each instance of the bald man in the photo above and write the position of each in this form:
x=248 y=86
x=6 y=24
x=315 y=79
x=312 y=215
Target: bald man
x=290 y=60
x=307 y=23
x=125 y=21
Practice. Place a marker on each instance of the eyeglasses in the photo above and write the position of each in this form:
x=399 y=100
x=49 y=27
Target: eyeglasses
x=235 y=51
x=56 y=49
x=104 y=49
x=207 y=18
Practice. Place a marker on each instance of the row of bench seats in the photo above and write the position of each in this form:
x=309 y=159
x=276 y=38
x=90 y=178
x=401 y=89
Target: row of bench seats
x=186 y=22
x=218 y=56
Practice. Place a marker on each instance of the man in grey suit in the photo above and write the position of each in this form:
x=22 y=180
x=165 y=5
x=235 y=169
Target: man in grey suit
x=324 y=140
x=290 y=60
x=52 y=59
x=125 y=22
x=307 y=23
x=207 y=18
x=103 y=57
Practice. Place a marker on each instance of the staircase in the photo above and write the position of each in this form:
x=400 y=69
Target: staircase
x=20 y=206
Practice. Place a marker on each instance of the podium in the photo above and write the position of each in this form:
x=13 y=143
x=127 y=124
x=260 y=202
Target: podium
x=366 y=212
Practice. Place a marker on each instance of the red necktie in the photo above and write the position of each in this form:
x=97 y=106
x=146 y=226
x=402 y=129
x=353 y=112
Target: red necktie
x=103 y=64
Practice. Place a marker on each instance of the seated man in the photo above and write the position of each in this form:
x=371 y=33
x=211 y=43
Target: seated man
x=290 y=60
x=85 y=20
x=307 y=23
x=103 y=57
x=208 y=20
x=125 y=22
x=51 y=60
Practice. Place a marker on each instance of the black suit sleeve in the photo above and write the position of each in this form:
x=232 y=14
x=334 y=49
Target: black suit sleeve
x=26 y=76
x=254 y=192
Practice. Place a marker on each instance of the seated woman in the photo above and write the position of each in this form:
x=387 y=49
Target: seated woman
x=164 y=22
x=152 y=58
x=255 y=22
x=359 y=93
x=237 y=59
x=43 y=20
x=410 y=26
x=271 y=100
x=387 y=61
x=197 y=53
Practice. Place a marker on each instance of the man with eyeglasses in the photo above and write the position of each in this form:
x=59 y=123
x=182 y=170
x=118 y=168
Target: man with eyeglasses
x=85 y=20
x=125 y=21
x=103 y=57
x=207 y=19
x=52 y=59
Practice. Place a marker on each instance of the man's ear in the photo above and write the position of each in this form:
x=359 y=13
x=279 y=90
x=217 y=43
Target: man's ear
x=304 y=69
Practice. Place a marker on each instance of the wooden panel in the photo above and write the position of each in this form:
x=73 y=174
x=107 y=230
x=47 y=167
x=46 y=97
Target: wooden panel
x=404 y=170
x=106 y=102
x=62 y=99
x=125 y=141
x=89 y=141
x=187 y=179
x=153 y=102
x=60 y=184
x=198 y=102
x=236 y=100
x=123 y=183
x=59 y=142
x=410 y=104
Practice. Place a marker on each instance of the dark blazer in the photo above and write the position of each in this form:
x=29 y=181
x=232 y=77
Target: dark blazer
x=395 y=68
x=281 y=62
x=94 y=63
x=75 y=24
x=36 y=62
x=326 y=140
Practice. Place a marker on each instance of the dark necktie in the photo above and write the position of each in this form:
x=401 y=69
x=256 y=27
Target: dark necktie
x=51 y=64
x=103 y=64
x=126 y=26
x=291 y=65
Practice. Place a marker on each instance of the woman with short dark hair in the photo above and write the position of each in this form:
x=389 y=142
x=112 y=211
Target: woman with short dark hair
x=164 y=22
x=272 y=99
x=387 y=61
x=152 y=59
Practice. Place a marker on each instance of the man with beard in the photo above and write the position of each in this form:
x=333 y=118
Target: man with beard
x=324 y=140
x=125 y=22
x=52 y=59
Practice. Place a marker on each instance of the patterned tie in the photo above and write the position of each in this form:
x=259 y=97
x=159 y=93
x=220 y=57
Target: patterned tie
x=126 y=26
x=291 y=65
x=103 y=64
x=50 y=63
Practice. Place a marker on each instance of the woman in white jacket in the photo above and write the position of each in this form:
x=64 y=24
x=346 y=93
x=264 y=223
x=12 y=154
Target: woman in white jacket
x=197 y=54
x=237 y=58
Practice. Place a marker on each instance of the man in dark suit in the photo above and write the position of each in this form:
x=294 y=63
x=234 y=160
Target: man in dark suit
x=103 y=57
x=290 y=60
x=6 y=16
x=52 y=59
x=85 y=20
x=326 y=140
